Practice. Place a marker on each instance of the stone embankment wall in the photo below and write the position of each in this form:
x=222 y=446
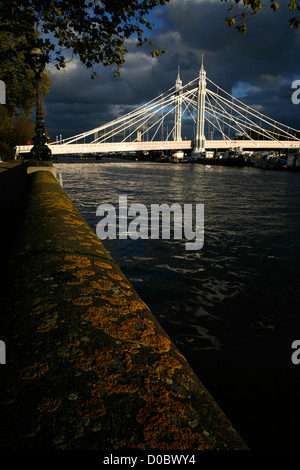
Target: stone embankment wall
x=88 y=365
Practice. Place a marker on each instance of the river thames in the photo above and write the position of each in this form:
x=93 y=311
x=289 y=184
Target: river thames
x=231 y=307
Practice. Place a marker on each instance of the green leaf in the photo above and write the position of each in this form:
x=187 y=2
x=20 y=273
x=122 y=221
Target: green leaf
x=230 y=21
x=275 y=6
x=294 y=23
x=242 y=29
x=292 y=5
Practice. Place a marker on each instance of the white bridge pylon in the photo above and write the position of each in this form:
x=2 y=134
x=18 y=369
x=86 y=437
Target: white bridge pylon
x=213 y=117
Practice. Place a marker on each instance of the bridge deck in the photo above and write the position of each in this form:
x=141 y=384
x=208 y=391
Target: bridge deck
x=163 y=145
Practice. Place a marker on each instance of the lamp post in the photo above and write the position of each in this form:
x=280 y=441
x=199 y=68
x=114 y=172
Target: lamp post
x=40 y=150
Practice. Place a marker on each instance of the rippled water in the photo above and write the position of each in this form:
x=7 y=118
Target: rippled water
x=232 y=307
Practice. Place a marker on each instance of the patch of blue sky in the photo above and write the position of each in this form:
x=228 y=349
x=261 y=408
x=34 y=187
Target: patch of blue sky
x=242 y=89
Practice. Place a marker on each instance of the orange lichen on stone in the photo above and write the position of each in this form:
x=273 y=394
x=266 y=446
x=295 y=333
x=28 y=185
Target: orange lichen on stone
x=138 y=305
x=54 y=201
x=116 y=276
x=102 y=284
x=111 y=387
x=84 y=362
x=36 y=370
x=159 y=343
x=68 y=266
x=93 y=408
x=84 y=273
x=116 y=300
x=99 y=359
x=127 y=329
x=127 y=293
x=163 y=416
x=71 y=220
x=42 y=308
x=80 y=261
x=49 y=405
x=34 y=432
x=70 y=351
x=83 y=262
x=96 y=315
x=75 y=283
x=109 y=364
x=83 y=301
x=167 y=365
x=180 y=355
x=164 y=423
x=48 y=323
x=185 y=380
x=102 y=264
x=136 y=330
x=81 y=275
x=124 y=284
x=79 y=432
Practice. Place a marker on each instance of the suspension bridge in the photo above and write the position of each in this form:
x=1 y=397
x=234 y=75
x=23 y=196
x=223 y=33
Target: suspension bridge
x=219 y=121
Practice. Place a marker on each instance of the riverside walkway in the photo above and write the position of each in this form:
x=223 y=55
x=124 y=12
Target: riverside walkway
x=88 y=366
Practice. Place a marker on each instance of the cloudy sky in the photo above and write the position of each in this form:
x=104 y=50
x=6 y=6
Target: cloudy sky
x=258 y=67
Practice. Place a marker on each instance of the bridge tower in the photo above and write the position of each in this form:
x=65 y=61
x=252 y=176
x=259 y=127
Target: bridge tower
x=200 y=137
x=178 y=108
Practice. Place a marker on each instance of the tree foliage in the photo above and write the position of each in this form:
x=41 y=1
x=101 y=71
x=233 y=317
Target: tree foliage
x=17 y=131
x=94 y=30
x=15 y=125
x=17 y=75
x=242 y=10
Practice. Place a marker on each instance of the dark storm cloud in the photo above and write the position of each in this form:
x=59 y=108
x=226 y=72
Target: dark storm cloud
x=264 y=59
x=258 y=67
x=268 y=46
x=77 y=103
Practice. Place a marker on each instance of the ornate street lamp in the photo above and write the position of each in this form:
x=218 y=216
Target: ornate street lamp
x=40 y=150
